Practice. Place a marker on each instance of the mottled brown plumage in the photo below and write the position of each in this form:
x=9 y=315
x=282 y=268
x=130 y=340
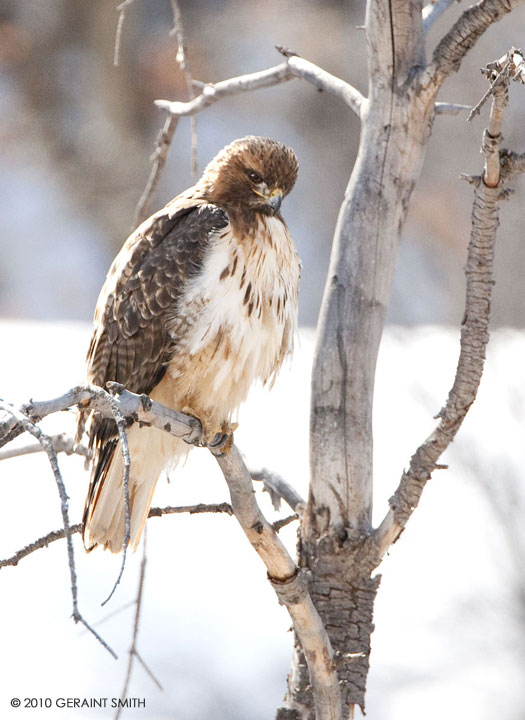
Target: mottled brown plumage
x=199 y=303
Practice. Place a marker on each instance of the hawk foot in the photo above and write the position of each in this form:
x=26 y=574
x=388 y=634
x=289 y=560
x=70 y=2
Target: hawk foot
x=217 y=437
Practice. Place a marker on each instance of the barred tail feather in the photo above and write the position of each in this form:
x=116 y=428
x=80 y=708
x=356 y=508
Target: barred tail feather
x=151 y=450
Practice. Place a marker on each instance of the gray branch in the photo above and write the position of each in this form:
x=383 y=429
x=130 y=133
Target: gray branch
x=294 y=66
x=46 y=540
x=464 y=34
x=278 y=488
x=288 y=583
x=433 y=11
x=442 y=108
x=474 y=337
x=27 y=424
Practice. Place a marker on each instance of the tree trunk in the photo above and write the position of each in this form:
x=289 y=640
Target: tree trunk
x=397 y=120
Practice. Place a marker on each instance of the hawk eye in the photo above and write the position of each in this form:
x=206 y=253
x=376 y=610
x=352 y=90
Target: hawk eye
x=254 y=176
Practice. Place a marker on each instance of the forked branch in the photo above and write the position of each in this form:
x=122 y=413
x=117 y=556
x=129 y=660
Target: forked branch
x=294 y=66
x=489 y=191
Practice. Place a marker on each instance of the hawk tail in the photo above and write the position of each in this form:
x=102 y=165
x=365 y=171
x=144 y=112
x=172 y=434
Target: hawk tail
x=104 y=514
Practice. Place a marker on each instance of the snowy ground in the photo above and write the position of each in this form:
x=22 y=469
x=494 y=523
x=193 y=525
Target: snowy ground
x=448 y=639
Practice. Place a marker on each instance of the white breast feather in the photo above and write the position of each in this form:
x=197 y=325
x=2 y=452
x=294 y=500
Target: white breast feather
x=273 y=271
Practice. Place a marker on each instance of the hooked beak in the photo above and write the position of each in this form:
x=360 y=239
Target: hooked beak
x=275 y=199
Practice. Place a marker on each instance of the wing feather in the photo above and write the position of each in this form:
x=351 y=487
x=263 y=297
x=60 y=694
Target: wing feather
x=131 y=342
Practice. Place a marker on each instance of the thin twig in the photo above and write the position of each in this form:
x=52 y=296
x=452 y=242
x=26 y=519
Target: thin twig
x=38 y=544
x=501 y=77
x=46 y=540
x=46 y=443
x=121 y=425
x=131 y=652
x=147 y=669
x=278 y=488
x=63 y=442
x=167 y=132
x=182 y=59
x=121 y=9
x=442 y=108
x=283 y=522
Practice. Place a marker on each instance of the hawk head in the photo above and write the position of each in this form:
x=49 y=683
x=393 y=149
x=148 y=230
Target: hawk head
x=251 y=175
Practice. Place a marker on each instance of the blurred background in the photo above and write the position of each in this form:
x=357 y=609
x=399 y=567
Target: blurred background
x=76 y=135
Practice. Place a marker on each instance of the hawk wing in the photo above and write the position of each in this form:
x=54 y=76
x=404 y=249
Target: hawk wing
x=131 y=342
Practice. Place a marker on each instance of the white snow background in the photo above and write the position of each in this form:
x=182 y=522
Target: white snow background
x=449 y=634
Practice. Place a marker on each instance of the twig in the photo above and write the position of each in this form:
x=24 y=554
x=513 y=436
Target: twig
x=283 y=522
x=121 y=9
x=46 y=443
x=434 y=10
x=500 y=78
x=63 y=442
x=43 y=542
x=276 y=486
x=121 y=426
x=38 y=544
x=182 y=59
x=474 y=339
x=133 y=648
x=509 y=67
x=442 y=108
x=167 y=132
x=158 y=161
x=224 y=507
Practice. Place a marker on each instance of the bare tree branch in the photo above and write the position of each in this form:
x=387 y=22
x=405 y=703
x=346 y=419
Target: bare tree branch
x=124 y=447
x=474 y=336
x=464 y=34
x=158 y=161
x=63 y=442
x=277 y=486
x=442 y=108
x=289 y=585
x=38 y=544
x=132 y=653
x=182 y=59
x=283 y=573
x=167 y=132
x=433 y=11
x=46 y=443
x=121 y=9
x=224 y=508
x=510 y=67
x=138 y=407
x=293 y=67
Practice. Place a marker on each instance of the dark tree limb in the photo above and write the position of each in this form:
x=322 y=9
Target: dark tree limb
x=489 y=191
x=464 y=34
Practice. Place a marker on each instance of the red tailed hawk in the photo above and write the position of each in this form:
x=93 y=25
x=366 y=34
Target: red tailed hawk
x=199 y=303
